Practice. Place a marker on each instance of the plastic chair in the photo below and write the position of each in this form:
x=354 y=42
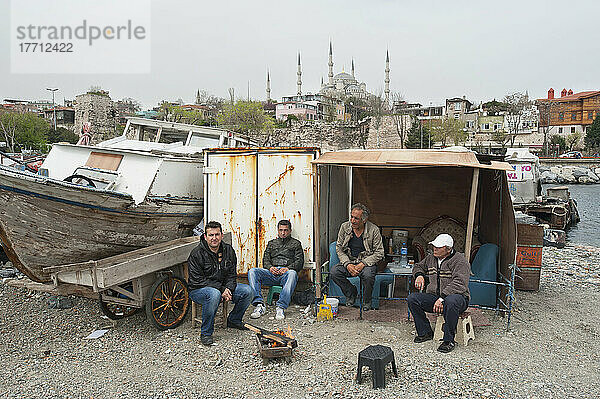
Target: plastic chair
x=275 y=289
x=484 y=267
x=376 y=357
x=336 y=291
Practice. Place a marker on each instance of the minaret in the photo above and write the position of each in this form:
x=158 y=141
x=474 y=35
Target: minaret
x=299 y=73
x=198 y=97
x=352 y=67
x=268 y=87
x=330 y=64
x=387 y=78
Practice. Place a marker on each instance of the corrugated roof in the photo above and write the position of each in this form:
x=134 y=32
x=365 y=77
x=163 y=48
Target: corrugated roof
x=406 y=158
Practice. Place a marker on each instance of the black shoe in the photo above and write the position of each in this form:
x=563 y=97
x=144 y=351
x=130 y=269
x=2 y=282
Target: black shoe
x=206 y=340
x=350 y=300
x=238 y=326
x=423 y=338
x=447 y=346
x=367 y=306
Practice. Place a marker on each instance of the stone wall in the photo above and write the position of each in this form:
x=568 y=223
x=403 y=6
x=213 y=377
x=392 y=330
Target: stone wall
x=386 y=135
x=328 y=136
x=98 y=109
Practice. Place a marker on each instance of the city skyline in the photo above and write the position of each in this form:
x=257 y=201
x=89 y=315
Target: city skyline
x=437 y=51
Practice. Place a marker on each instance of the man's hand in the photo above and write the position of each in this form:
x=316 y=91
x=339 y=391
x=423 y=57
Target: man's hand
x=226 y=295
x=283 y=270
x=420 y=283
x=352 y=269
x=438 y=306
x=274 y=270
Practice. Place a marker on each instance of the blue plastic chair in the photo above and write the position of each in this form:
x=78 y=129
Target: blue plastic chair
x=336 y=291
x=484 y=267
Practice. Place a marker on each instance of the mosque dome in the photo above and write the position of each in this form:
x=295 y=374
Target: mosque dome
x=343 y=76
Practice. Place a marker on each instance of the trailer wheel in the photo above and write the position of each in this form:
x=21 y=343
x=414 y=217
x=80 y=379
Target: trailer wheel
x=168 y=302
x=116 y=311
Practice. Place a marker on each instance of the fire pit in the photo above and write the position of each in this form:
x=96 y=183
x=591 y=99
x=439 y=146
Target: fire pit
x=274 y=344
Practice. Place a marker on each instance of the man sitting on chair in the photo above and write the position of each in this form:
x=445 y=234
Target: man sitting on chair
x=282 y=261
x=359 y=247
x=212 y=279
x=445 y=275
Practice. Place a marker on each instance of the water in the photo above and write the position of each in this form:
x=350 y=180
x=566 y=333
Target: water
x=585 y=232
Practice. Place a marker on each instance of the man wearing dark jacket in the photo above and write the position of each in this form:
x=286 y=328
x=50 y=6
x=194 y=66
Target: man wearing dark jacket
x=445 y=275
x=212 y=279
x=282 y=261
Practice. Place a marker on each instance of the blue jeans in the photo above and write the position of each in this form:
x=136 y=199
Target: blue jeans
x=258 y=276
x=420 y=302
x=210 y=298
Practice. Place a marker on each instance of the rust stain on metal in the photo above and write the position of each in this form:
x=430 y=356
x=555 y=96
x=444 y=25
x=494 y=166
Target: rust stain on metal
x=260 y=230
x=288 y=168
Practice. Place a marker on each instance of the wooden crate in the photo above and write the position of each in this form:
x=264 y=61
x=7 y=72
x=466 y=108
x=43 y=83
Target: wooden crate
x=528 y=279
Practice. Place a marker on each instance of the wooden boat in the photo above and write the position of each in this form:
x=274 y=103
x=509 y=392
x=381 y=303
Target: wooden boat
x=91 y=202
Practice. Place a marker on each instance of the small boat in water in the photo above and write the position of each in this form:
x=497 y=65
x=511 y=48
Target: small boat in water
x=91 y=202
x=556 y=209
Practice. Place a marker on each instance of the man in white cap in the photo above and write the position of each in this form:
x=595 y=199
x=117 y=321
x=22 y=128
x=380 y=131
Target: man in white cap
x=444 y=275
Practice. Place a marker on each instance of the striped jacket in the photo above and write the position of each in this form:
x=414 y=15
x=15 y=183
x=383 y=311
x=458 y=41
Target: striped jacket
x=451 y=277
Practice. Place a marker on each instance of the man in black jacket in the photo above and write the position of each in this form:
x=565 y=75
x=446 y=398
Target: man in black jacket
x=212 y=279
x=282 y=261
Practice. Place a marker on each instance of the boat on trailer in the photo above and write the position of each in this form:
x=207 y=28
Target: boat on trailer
x=91 y=202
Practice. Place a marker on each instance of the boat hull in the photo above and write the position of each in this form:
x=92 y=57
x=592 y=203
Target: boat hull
x=44 y=222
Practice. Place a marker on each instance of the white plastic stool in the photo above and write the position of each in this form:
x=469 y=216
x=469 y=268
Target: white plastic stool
x=464 y=329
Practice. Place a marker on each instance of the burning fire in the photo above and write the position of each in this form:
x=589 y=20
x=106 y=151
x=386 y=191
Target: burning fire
x=286 y=333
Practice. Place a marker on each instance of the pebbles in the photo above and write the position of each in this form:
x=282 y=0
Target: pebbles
x=551 y=351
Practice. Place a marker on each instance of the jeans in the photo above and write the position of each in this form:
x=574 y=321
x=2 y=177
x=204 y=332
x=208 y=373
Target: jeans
x=210 y=298
x=288 y=280
x=339 y=275
x=454 y=305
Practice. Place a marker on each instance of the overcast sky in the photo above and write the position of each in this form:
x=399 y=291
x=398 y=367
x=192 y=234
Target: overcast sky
x=438 y=49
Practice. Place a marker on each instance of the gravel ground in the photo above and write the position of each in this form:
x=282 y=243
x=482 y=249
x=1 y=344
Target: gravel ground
x=551 y=351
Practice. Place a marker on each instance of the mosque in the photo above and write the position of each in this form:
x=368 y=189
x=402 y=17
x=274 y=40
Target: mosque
x=341 y=85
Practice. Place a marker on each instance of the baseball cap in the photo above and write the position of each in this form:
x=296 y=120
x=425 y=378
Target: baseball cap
x=443 y=240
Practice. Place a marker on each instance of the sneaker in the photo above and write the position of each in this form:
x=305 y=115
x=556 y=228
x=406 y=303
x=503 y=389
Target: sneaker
x=423 y=338
x=447 y=346
x=206 y=340
x=259 y=310
x=367 y=306
x=279 y=314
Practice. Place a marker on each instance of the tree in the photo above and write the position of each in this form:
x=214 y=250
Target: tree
x=448 y=130
x=516 y=103
x=401 y=118
x=556 y=140
x=592 y=135
x=60 y=135
x=23 y=130
x=572 y=140
x=246 y=117
x=376 y=109
x=417 y=131
x=501 y=137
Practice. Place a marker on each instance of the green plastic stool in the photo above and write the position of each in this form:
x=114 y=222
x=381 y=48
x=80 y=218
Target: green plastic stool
x=276 y=289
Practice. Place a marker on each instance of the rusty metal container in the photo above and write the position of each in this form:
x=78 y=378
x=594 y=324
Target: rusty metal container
x=530 y=240
x=249 y=190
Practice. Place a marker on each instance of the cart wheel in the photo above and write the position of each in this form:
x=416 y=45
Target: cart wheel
x=116 y=311
x=167 y=303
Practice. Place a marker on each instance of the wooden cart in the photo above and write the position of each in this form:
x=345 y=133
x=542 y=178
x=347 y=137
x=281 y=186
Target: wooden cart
x=151 y=277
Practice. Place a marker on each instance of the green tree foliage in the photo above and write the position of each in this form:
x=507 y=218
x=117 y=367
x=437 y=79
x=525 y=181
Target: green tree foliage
x=572 y=140
x=246 y=117
x=592 y=136
x=495 y=107
x=413 y=137
x=23 y=131
x=447 y=131
x=558 y=140
x=61 y=135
